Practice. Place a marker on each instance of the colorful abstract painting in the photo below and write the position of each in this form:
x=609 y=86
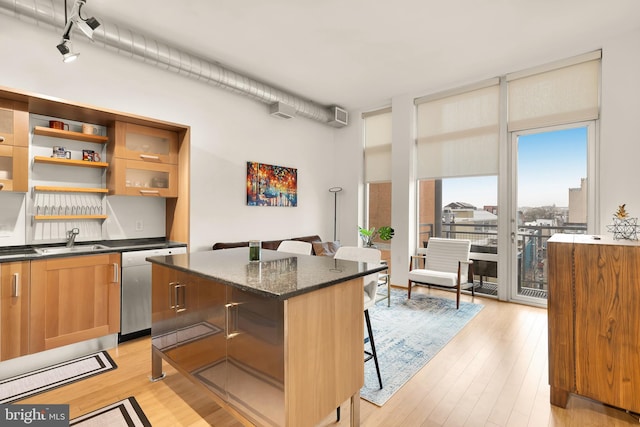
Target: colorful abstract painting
x=269 y=185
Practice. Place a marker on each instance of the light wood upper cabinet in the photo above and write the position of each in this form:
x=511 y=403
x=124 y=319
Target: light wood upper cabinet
x=14 y=123
x=144 y=161
x=74 y=299
x=147 y=144
x=14 y=309
x=14 y=146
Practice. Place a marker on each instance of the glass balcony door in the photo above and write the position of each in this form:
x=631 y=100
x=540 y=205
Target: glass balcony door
x=550 y=193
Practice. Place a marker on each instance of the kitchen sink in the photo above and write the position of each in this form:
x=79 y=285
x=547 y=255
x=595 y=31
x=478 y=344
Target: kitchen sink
x=58 y=250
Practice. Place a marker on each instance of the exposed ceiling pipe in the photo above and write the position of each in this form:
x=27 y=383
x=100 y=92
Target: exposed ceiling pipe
x=45 y=13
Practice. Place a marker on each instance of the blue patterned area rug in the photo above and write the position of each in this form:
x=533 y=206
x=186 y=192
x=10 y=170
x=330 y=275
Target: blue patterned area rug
x=407 y=335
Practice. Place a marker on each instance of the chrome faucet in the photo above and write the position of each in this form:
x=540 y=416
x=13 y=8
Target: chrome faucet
x=71 y=236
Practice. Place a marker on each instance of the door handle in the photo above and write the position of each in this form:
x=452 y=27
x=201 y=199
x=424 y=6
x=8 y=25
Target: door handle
x=513 y=237
x=172 y=286
x=16 y=285
x=116 y=272
x=180 y=289
x=149 y=192
x=231 y=320
x=149 y=157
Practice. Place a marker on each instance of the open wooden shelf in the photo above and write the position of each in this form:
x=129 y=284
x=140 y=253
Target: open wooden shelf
x=69 y=162
x=67 y=217
x=69 y=189
x=66 y=134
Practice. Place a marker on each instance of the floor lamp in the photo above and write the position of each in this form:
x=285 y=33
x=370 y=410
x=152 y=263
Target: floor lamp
x=335 y=191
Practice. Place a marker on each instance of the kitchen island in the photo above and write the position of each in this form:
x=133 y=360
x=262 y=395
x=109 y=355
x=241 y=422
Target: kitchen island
x=275 y=342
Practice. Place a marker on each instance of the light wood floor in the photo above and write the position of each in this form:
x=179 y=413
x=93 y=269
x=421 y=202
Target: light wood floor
x=493 y=373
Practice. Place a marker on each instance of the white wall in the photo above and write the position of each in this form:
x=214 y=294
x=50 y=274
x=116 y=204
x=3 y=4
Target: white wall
x=619 y=132
x=227 y=130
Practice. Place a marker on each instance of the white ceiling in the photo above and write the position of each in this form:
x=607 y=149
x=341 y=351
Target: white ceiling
x=360 y=53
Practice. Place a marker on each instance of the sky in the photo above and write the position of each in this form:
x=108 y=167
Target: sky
x=548 y=165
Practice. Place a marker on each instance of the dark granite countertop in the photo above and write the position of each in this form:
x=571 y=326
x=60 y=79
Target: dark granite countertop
x=29 y=252
x=278 y=275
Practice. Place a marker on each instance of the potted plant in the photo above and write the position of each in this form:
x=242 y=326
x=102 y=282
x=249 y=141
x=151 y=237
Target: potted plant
x=368 y=235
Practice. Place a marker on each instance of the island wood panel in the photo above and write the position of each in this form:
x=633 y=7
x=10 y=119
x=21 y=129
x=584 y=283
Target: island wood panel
x=324 y=344
x=73 y=299
x=607 y=324
x=14 y=308
x=560 y=322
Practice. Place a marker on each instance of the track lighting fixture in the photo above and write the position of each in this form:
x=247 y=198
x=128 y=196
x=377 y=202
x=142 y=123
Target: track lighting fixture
x=87 y=26
x=66 y=49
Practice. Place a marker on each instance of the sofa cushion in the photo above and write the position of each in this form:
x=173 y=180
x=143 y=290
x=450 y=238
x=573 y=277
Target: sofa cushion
x=229 y=245
x=266 y=244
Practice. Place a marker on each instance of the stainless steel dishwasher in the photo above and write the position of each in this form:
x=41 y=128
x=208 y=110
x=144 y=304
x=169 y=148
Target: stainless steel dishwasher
x=135 y=302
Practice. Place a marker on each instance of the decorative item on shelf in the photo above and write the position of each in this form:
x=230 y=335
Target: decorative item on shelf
x=89 y=129
x=88 y=155
x=624 y=226
x=60 y=152
x=369 y=235
x=57 y=124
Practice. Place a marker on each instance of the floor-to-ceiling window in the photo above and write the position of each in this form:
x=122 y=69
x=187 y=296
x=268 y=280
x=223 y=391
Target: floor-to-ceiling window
x=464 y=192
x=457 y=168
x=551 y=119
x=377 y=160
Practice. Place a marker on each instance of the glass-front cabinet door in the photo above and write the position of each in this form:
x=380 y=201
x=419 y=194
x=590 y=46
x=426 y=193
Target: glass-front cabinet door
x=145 y=143
x=14 y=141
x=143 y=161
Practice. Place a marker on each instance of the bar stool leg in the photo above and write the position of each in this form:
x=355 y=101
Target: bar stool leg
x=373 y=346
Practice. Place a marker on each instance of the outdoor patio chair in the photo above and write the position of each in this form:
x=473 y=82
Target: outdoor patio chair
x=446 y=264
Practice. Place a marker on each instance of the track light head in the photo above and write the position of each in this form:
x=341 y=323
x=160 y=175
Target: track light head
x=66 y=50
x=87 y=26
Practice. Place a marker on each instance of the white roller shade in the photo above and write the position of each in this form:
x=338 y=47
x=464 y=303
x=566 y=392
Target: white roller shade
x=458 y=135
x=377 y=146
x=565 y=95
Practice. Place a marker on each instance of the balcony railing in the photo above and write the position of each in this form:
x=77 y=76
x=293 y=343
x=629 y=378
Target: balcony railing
x=532 y=249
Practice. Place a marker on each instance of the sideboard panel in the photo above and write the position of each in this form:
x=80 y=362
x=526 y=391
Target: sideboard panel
x=594 y=321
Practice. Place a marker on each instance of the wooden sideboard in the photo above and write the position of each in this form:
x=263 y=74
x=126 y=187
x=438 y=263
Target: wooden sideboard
x=594 y=320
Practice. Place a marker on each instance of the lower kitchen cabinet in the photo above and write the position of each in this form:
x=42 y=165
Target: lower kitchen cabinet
x=74 y=299
x=14 y=309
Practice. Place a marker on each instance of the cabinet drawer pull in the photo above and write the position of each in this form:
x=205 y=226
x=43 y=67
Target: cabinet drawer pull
x=1 y=138
x=149 y=157
x=15 y=292
x=116 y=272
x=172 y=303
x=231 y=320
x=149 y=192
x=181 y=303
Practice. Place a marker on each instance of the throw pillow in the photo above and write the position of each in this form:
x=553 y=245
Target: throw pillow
x=325 y=248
